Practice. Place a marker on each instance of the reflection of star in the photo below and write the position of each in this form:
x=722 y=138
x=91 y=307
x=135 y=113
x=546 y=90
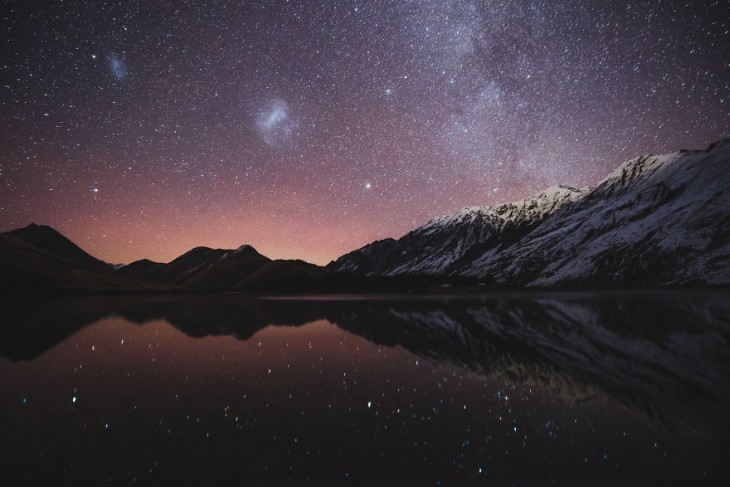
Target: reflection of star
x=368 y=186
x=275 y=125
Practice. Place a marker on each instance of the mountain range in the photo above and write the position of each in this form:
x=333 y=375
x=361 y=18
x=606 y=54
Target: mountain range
x=654 y=221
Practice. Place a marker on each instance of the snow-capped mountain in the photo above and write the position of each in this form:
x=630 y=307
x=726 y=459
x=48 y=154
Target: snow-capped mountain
x=449 y=241
x=656 y=220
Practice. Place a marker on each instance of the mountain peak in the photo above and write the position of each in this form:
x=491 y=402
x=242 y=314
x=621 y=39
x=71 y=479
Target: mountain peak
x=247 y=250
x=50 y=241
x=37 y=229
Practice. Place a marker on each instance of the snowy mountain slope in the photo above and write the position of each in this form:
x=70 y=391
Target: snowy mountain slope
x=443 y=243
x=656 y=220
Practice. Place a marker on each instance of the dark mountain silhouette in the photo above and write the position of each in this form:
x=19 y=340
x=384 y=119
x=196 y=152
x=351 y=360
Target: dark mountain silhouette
x=282 y=276
x=144 y=269
x=242 y=269
x=201 y=268
x=38 y=259
x=33 y=269
x=47 y=240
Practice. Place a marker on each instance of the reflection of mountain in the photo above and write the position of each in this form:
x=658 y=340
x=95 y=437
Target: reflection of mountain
x=665 y=356
x=31 y=328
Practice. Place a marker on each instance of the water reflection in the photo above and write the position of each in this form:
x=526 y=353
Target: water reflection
x=665 y=356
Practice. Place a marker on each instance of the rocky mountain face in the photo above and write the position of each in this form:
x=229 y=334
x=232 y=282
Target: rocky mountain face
x=453 y=240
x=656 y=220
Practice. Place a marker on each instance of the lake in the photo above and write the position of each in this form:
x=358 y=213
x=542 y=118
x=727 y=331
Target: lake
x=505 y=389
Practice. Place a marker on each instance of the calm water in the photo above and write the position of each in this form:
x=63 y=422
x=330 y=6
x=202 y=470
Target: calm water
x=505 y=390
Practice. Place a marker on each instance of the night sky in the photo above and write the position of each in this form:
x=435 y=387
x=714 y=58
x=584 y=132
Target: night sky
x=307 y=129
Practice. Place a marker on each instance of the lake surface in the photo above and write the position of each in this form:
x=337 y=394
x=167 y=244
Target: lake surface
x=537 y=389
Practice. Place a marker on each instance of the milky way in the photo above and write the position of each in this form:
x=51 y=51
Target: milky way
x=307 y=129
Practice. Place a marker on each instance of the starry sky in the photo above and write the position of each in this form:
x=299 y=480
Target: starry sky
x=141 y=129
